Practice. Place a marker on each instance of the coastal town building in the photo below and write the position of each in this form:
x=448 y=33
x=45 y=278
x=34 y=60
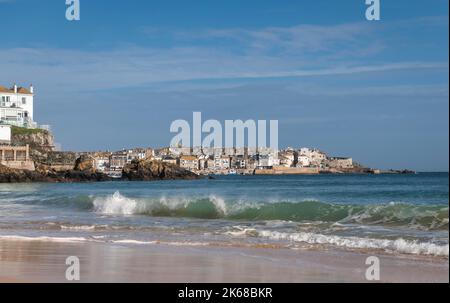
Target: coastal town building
x=314 y=155
x=139 y=154
x=189 y=162
x=266 y=161
x=287 y=158
x=303 y=161
x=179 y=151
x=238 y=162
x=203 y=161
x=118 y=160
x=222 y=162
x=251 y=162
x=168 y=159
x=262 y=151
x=160 y=152
x=17 y=106
x=101 y=161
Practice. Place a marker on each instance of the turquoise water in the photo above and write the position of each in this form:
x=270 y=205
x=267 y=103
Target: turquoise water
x=394 y=213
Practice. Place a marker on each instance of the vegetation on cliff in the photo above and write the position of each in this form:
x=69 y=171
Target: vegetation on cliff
x=22 y=131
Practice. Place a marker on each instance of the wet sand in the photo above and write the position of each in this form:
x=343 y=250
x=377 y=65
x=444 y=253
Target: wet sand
x=43 y=261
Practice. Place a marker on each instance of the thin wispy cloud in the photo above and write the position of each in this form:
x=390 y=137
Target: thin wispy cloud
x=281 y=40
x=138 y=67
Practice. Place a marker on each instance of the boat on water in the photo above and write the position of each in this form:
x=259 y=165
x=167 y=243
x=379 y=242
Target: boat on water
x=114 y=174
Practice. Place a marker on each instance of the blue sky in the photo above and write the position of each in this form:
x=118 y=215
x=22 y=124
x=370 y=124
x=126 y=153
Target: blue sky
x=376 y=91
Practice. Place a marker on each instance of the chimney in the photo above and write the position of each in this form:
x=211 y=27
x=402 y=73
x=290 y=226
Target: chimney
x=15 y=88
x=31 y=89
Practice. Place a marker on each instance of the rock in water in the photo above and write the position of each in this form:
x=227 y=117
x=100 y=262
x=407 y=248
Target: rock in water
x=9 y=175
x=143 y=170
x=146 y=170
x=43 y=174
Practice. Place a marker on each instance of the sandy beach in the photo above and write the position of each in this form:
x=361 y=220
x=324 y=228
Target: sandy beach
x=44 y=261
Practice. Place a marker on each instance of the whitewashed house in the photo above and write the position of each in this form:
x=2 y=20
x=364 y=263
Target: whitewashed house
x=5 y=134
x=314 y=155
x=189 y=162
x=101 y=161
x=118 y=160
x=16 y=106
x=303 y=161
x=268 y=161
x=180 y=151
x=139 y=154
x=222 y=162
x=287 y=158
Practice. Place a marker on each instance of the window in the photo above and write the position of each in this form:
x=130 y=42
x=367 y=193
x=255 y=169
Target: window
x=24 y=100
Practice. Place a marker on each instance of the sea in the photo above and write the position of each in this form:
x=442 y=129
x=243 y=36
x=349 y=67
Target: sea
x=394 y=214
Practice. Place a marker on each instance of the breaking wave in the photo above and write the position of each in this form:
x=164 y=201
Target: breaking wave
x=427 y=217
x=417 y=216
x=117 y=204
x=398 y=245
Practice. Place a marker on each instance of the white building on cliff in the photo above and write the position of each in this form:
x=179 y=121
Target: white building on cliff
x=16 y=106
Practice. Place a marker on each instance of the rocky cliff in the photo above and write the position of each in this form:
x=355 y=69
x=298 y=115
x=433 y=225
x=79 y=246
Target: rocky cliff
x=41 y=141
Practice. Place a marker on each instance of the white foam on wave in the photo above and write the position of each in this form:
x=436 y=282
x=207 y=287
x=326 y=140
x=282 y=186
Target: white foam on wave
x=135 y=242
x=422 y=217
x=45 y=239
x=115 y=204
x=219 y=203
x=118 y=204
x=171 y=243
x=99 y=239
x=77 y=228
x=399 y=245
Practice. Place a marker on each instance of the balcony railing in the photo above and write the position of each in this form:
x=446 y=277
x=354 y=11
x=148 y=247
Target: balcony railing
x=23 y=122
x=17 y=122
